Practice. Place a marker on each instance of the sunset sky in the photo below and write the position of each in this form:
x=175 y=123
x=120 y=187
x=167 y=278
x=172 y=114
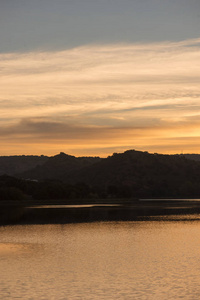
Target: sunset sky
x=93 y=77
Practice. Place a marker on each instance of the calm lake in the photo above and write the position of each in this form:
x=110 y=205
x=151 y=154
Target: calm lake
x=152 y=259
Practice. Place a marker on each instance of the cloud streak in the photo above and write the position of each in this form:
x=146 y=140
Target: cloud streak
x=117 y=95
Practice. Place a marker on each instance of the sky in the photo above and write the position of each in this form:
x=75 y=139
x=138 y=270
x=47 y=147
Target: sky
x=93 y=77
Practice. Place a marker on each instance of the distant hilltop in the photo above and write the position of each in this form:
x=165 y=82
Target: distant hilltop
x=129 y=174
x=30 y=165
x=39 y=166
x=11 y=165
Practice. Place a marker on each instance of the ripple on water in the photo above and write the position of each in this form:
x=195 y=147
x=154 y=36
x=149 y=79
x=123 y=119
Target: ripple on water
x=113 y=260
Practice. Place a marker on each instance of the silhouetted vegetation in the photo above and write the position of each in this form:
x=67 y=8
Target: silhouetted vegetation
x=58 y=167
x=11 y=193
x=11 y=165
x=132 y=174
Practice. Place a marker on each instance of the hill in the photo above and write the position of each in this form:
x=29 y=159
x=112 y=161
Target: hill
x=11 y=165
x=192 y=156
x=143 y=175
x=129 y=174
x=58 y=167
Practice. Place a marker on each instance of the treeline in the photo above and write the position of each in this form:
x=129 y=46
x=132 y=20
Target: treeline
x=17 y=189
x=132 y=174
x=12 y=188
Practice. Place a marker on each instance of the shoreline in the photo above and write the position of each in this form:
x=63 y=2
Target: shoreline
x=64 y=212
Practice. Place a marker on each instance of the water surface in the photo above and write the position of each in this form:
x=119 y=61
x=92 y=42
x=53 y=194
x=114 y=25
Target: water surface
x=152 y=259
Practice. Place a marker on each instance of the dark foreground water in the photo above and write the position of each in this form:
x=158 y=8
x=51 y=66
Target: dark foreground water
x=152 y=259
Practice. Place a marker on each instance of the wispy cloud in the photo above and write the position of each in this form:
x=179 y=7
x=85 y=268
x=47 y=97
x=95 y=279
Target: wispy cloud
x=117 y=95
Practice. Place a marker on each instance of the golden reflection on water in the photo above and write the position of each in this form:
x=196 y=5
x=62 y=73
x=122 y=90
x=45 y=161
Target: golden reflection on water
x=9 y=248
x=15 y=249
x=113 y=260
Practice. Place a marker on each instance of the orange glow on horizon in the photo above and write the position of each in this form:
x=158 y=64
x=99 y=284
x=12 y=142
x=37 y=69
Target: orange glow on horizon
x=96 y=100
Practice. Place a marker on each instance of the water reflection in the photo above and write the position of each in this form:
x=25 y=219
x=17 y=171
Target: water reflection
x=10 y=248
x=57 y=214
x=105 y=260
x=174 y=218
x=63 y=214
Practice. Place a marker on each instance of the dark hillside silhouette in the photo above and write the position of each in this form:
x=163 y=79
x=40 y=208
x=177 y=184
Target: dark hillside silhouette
x=59 y=166
x=192 y=156
x=132 y=174
x=142 y=174
x=11 y=165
